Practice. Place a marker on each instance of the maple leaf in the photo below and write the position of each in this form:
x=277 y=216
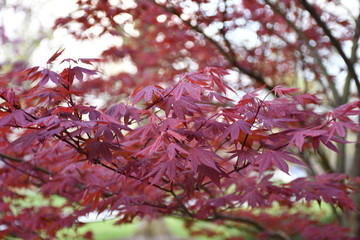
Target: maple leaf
x=145 y=132
x=93 y=199
x=31 y=73
x=282 y=91
x=306 y=99
x=172 y=123
x=55 y=55
x=173 y=149
x=98 y=149
x=165 y=168
x=197 y=78
x=149 y=93
x=235 y=129
x=15 y=118
x=49 y=75
x=26 y=140
x=213 y=174
x=327 y=187
x=253 y=198
x=340 y=128
x=89 y=60
x=184 y=106
x=79 y=72
x=277 y=158
x=199 y=156
x=157 y=145
x=216 y=75
x=117 y=110
x=299 y=137
x=175 y=135
x=9 y=96
x=244 y=155
x=346 y=109
x=187 y=89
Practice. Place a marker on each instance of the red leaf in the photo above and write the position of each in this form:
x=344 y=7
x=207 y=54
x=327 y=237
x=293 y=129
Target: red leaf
x=149 y=93
x=277 y=158
x=206 y=171
x=235 y=128
x=79 y=72
x=199 y=156
x=55 y=55
x=176 y=135
x=99 y=150
x=89 y=60
x=299 y=136
x=173 y=149
x=187 y=89
x=282 y=91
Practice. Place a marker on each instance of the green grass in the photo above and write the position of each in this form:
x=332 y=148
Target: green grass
x=176 y=227
x=106 y=230
x=103 y=230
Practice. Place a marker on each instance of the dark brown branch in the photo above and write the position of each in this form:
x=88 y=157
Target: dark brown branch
x=21 y=170
x=353 y=58
x=182 y=205
x=312 y=49
x=19 y=160
x=133 y=177
x=253 y=223
x=350 y=65
x=223 y=33
x=226 y=54
x=324 y=161
x=258 y=226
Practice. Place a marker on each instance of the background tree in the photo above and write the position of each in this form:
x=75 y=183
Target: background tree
x=178 y=146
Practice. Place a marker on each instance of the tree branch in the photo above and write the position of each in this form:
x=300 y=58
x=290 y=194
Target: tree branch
x=21 y=170
x=133 y=177
x=350 y=65
x=353 y=58
x=251 y=222
x=226 y=54
x=223 y=32
x=313 y=50
x=19 y=160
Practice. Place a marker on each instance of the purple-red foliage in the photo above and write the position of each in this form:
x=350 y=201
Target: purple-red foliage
x=184 y=150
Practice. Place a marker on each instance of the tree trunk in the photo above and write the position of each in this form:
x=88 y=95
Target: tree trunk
x=355 y=172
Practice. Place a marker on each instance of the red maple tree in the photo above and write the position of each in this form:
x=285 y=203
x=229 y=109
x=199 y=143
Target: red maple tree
x=170 y=140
